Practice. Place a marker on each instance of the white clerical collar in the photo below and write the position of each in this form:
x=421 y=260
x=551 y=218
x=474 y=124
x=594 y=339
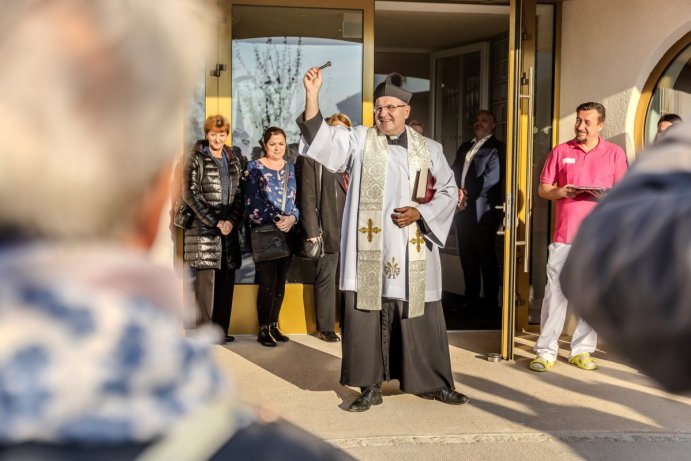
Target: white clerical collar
x=399 y=140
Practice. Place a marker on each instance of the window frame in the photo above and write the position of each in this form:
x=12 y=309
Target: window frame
x=651 y=84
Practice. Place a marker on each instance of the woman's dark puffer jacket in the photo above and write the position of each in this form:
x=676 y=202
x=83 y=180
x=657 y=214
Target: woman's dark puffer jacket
x=203 y=195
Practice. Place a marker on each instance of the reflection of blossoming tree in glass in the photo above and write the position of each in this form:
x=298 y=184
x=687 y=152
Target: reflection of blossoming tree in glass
x=195 y=115
x=275 y=77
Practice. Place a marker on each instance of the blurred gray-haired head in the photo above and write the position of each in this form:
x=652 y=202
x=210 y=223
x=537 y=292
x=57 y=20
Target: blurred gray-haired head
x=91 y=93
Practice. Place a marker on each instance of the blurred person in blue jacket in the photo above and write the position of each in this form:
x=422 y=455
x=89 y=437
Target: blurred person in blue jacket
x=93 y=364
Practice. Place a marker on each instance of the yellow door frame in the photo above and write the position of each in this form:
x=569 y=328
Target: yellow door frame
x=520 y=126
x=297 y=313
x=516 y=286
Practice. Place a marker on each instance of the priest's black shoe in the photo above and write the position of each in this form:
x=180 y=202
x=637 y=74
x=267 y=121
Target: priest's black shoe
x=278 y=334
x=230 y=339
x=329 y=336
x=370 y=396
x=446 y=395
x=264 y=338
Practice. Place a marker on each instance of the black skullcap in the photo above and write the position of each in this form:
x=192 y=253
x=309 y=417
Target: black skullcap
x=393 y=86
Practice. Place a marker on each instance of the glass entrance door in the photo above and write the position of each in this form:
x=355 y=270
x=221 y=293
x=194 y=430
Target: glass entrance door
x=476 y=76
x=530 y=135
x=265 y=48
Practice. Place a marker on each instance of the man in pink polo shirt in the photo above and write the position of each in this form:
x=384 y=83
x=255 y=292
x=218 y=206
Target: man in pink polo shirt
x=575 y=175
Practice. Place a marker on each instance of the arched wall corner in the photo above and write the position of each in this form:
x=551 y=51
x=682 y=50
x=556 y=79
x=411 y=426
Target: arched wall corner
x=648 y=77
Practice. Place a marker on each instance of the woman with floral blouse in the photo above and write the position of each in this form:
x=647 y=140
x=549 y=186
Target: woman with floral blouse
x=264 y=183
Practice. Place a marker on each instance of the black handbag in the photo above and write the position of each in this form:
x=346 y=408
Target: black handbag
x=183 y=216
x=308 y=249
x=268 y=241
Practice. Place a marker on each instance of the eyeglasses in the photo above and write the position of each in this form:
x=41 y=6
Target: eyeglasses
x=389 y=108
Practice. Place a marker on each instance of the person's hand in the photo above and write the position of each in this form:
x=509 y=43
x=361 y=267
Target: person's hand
x=312 y=80
x=405 y=216
x=226 y=227
x=462 y=199
x=285 y=223
x=569 y=191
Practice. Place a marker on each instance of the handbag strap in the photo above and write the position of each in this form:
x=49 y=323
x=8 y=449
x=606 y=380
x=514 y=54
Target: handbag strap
x=285 y=186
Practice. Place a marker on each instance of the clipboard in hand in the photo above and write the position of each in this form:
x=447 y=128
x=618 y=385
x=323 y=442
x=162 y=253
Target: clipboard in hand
x=591 y=189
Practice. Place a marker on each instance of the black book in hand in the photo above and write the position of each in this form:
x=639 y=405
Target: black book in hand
x=424 y=186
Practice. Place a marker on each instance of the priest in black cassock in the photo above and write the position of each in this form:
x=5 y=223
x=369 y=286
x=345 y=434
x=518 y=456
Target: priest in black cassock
x=393 y=326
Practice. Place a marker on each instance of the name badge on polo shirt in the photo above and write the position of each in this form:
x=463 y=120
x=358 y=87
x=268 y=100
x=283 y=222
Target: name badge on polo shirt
x=568 y=160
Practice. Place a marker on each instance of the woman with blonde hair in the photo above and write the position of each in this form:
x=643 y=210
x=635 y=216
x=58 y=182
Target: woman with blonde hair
x=211 y=188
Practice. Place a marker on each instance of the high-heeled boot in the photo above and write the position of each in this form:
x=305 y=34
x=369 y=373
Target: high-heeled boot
x=277 y=334
x=264 y=337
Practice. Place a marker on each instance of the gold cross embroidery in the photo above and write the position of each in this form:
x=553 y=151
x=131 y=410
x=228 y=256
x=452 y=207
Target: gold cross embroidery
x=369 y=230
x=418 y=240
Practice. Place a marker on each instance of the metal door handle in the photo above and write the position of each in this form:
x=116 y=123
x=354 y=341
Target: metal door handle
x=529 y=168
x=502 y=207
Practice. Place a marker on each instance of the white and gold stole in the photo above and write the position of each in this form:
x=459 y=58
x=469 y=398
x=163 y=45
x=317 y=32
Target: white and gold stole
x=370 y=224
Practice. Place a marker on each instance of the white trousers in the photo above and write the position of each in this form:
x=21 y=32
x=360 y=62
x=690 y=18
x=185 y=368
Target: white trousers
x=553 y=313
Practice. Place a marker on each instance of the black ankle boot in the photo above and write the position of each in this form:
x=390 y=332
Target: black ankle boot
x=276 y=333
x=264 y=337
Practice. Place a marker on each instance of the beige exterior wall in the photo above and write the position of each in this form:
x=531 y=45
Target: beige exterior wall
x=609 y=48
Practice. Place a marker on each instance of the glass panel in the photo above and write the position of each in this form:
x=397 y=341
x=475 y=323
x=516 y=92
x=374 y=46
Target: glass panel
x=470 y=84
x=542 y=142
x=499 y=82
x=672 y=94
x=272 y=48
x=195 y=114
x=447 y=104
x=457 y=99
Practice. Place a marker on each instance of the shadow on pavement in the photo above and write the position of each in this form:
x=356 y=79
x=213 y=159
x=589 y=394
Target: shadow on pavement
x=302 y=366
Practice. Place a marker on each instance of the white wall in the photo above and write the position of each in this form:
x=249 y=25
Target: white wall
x=609 y=48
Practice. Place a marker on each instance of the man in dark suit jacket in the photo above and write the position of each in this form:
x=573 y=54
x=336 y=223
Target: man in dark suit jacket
x=331 y=188
x=479 y=171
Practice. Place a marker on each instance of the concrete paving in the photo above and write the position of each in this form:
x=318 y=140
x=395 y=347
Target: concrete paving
x=513 y=413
